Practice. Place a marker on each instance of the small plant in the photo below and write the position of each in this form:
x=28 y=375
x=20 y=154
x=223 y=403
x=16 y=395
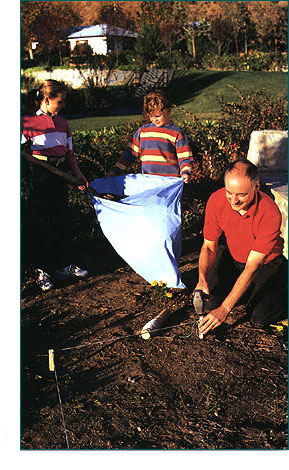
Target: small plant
x=160 y=290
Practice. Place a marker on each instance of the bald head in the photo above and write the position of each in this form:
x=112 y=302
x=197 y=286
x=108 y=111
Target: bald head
x=241 y=184
x=243 y=168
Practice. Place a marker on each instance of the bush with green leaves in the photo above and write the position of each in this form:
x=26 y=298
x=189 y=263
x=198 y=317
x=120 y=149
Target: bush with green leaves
x=251 y=112
x=252 y=61
x=263 y=61
x=179 y=60
x=219 y=62
x=99 y=150
x=214 y=144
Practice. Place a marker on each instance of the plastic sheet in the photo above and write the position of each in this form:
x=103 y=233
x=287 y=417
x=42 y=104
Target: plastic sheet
x=145 y=226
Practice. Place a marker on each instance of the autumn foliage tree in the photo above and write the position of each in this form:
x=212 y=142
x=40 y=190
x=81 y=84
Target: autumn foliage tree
x=271 y=20
x=30 y=11
x=113 y=14
x=165 y=20
x=45 y=22
x=195 y=27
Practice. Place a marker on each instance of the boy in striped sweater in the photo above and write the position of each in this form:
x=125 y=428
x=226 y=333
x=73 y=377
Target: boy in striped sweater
x=162 y=147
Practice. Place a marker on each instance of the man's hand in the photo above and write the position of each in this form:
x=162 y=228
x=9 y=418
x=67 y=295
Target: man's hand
x=203 y=286
x=214 y=319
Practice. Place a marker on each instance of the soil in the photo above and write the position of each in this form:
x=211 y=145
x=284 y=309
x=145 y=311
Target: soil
x=119 y=391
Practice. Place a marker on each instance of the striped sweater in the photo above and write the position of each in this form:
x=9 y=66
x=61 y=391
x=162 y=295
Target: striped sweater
x=49 y=136
x=163 y=151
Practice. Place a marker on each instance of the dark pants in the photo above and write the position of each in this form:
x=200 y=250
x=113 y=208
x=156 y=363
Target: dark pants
x=266 y=299
x=48 y=220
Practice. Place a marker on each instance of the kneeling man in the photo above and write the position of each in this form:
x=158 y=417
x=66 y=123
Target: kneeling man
x=249 y=266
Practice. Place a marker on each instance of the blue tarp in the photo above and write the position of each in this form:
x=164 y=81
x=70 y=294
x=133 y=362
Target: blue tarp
x=144 y=227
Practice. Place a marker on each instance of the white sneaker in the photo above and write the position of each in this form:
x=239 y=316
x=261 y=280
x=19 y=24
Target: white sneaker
x=43 y=280
x=71 y=272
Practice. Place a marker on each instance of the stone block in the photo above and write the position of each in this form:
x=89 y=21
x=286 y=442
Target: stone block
x=268 y=150
x=281 y=200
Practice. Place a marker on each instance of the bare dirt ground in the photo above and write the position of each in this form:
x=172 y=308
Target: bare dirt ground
x=118 y=391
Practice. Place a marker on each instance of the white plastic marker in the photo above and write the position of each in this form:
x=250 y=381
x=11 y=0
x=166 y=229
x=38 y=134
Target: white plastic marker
x=155 y=323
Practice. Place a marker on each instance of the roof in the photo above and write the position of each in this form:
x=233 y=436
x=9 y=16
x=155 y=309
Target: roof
x=100 y=30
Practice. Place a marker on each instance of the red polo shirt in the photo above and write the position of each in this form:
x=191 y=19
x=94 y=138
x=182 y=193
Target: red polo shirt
x=258 y=229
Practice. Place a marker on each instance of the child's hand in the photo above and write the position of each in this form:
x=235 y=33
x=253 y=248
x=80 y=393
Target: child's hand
x=186 y=178
x=81 y=178
x=83 y=187
x=110 y=173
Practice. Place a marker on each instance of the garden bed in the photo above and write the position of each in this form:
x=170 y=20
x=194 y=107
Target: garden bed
x=118 y=391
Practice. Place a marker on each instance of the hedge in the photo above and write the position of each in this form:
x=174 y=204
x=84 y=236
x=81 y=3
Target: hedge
x=213 y=143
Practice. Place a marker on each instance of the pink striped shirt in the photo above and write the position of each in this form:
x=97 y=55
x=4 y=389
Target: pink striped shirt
x=49 y=135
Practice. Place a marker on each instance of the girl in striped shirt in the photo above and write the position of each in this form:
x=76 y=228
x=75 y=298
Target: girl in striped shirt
x=50 y=139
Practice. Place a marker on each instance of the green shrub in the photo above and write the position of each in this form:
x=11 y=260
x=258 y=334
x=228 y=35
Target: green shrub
x=99 y=150
x=97 y=100
x=263 y=61
x=253 y=61
x=177 y=60
x=213 y=143
x=254 y=111
x=219 y=62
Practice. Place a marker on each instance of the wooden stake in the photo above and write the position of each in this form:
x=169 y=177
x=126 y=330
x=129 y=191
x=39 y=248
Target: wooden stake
x=52 y=169
x=70 y=178
x=51 y=360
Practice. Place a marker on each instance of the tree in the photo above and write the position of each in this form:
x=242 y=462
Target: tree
x=237 y=16
x=195 y=29
x=29 y=13
x=271 y=20
x=118 y=21
x=147 y=43
x=113 y=14
x=168 y=17
x=44 y=22
x=88 y=11
x=171 y=27
x=152 y=12
x=168 y=35
x=220 y=32
x=194 y=24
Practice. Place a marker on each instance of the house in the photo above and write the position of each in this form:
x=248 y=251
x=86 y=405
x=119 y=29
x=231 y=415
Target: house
x=102 y=38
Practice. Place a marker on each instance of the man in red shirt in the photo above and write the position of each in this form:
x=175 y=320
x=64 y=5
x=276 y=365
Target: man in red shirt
x=250 y=268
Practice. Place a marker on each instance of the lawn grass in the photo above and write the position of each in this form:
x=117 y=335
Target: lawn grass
x=199 y=92
x=98 y=122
